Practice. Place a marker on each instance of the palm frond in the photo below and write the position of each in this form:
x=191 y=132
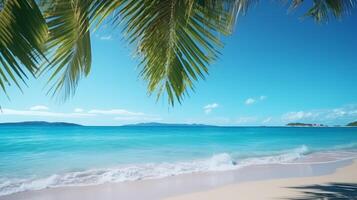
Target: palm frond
x=103 y=9
x=323 y=10
x=176 y=40
x=23 y=32
x=69 y=44
x=70 y=24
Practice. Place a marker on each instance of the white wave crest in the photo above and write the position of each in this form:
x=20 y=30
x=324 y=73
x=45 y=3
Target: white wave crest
x=286 y=157
x=218 y=162
x=352 y=145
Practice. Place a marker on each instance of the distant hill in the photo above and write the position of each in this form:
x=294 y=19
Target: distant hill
x=352 y=124
x=166 y=124
x=305 y=125
x=38 y=123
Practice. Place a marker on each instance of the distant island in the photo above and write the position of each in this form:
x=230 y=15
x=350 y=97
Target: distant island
x=167 y=124
x=38 y=123
x=352 y=124
x=305 y=125
x=156 y=124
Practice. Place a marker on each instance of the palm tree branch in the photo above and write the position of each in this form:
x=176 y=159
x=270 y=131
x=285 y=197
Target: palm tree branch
x=69 y=44
x=23 y=32
x=176 y=40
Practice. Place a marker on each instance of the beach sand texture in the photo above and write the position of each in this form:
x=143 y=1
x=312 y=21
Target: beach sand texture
x=270 y=182
x=340 y=185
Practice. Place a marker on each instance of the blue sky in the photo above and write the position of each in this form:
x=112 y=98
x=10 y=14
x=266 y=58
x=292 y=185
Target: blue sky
x=276 y=68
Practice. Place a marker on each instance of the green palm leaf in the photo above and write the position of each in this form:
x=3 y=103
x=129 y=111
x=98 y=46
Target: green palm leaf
x=70 y=24
x=176 y=39
x=323 y=10
x=23 y=32
x=69 y=44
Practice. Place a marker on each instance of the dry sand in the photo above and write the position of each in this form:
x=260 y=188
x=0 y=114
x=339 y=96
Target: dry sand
x=253 y=182
x=340 y=185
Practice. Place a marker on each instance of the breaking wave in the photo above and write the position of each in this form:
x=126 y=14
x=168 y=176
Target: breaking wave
x=218 y=162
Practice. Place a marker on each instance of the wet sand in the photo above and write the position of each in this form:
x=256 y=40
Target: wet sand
x=270 y=180
x=340 y=185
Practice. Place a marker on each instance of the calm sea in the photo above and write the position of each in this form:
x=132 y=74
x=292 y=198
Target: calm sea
x=37 y=157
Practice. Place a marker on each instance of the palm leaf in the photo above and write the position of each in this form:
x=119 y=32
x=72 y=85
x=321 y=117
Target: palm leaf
x=69 y=44
x=23 y=32
x=70 y=24
x=323 y=10
x=176 y=40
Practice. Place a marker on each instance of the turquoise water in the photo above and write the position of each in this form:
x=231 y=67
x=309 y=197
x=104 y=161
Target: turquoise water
x=36 y=157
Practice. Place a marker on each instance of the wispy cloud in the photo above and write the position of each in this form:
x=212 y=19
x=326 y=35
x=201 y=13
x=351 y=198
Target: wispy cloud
x=245 y=120
x=41 y=113
x=106 y=37
x=138 y=119
x=39 y=108
x=207 y=120
x=324 y=115
x=126 y=116
x=209 y=107
x=267 y=120
x=78 y=115
x=78 y=110
x=116 y=112
x=252 y=100
x=300 y=115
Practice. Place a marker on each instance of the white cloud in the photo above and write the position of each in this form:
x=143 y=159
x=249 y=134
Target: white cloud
x=106 y=37
x=208 y=120
x=39 y=113
x=38 y=108
x=338 y=112
x=78 y=110
x=262 y=98
x=345 y=113
x=110 y=115
x=300 y=115
x=267 y=120
x=250 y=101
x=138 y=119
x=208 y=108
x=116 y=112
x=245 y=120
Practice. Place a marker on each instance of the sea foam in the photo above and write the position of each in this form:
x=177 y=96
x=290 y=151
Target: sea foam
x=218 y=162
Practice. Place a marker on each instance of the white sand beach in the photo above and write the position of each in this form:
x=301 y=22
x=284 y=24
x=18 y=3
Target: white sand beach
x=342 y=185
x=253 y=182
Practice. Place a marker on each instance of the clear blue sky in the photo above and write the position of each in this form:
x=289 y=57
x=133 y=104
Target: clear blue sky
x=274 y=69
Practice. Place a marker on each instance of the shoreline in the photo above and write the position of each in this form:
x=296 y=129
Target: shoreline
x=183 y=184
x=341 y=184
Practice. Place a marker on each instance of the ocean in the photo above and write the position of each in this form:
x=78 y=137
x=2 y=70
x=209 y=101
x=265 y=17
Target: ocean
x=38 y=157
